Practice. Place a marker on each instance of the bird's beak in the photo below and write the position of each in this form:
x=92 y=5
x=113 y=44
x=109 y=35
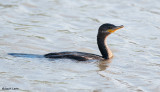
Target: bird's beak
x=115 y=29
x=118 y=27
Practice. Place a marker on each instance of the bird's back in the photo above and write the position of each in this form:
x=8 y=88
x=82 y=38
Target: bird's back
x=80 y=56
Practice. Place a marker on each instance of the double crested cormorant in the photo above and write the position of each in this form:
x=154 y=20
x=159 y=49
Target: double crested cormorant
x=104 y=31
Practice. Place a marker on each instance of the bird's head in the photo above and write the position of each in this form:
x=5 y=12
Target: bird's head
x=109 y=28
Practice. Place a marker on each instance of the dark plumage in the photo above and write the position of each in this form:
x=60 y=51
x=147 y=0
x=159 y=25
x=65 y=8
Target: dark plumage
x=103 y=32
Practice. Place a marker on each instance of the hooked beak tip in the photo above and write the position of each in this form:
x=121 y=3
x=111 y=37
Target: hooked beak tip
x=121 y=26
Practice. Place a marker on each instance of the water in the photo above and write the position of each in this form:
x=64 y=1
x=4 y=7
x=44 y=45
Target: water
x=37 y=27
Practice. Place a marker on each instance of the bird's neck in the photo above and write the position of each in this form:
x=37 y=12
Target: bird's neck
x=102 y=45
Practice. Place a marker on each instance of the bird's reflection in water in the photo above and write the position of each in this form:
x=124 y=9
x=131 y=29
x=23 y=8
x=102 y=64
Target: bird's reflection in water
x=104 y=64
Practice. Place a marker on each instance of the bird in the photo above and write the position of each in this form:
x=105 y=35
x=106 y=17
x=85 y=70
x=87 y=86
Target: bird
x=103 y=32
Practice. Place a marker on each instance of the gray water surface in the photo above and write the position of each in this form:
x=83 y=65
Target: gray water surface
x=36 y=27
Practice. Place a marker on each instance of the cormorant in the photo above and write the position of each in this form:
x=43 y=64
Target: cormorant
x=103 y=32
